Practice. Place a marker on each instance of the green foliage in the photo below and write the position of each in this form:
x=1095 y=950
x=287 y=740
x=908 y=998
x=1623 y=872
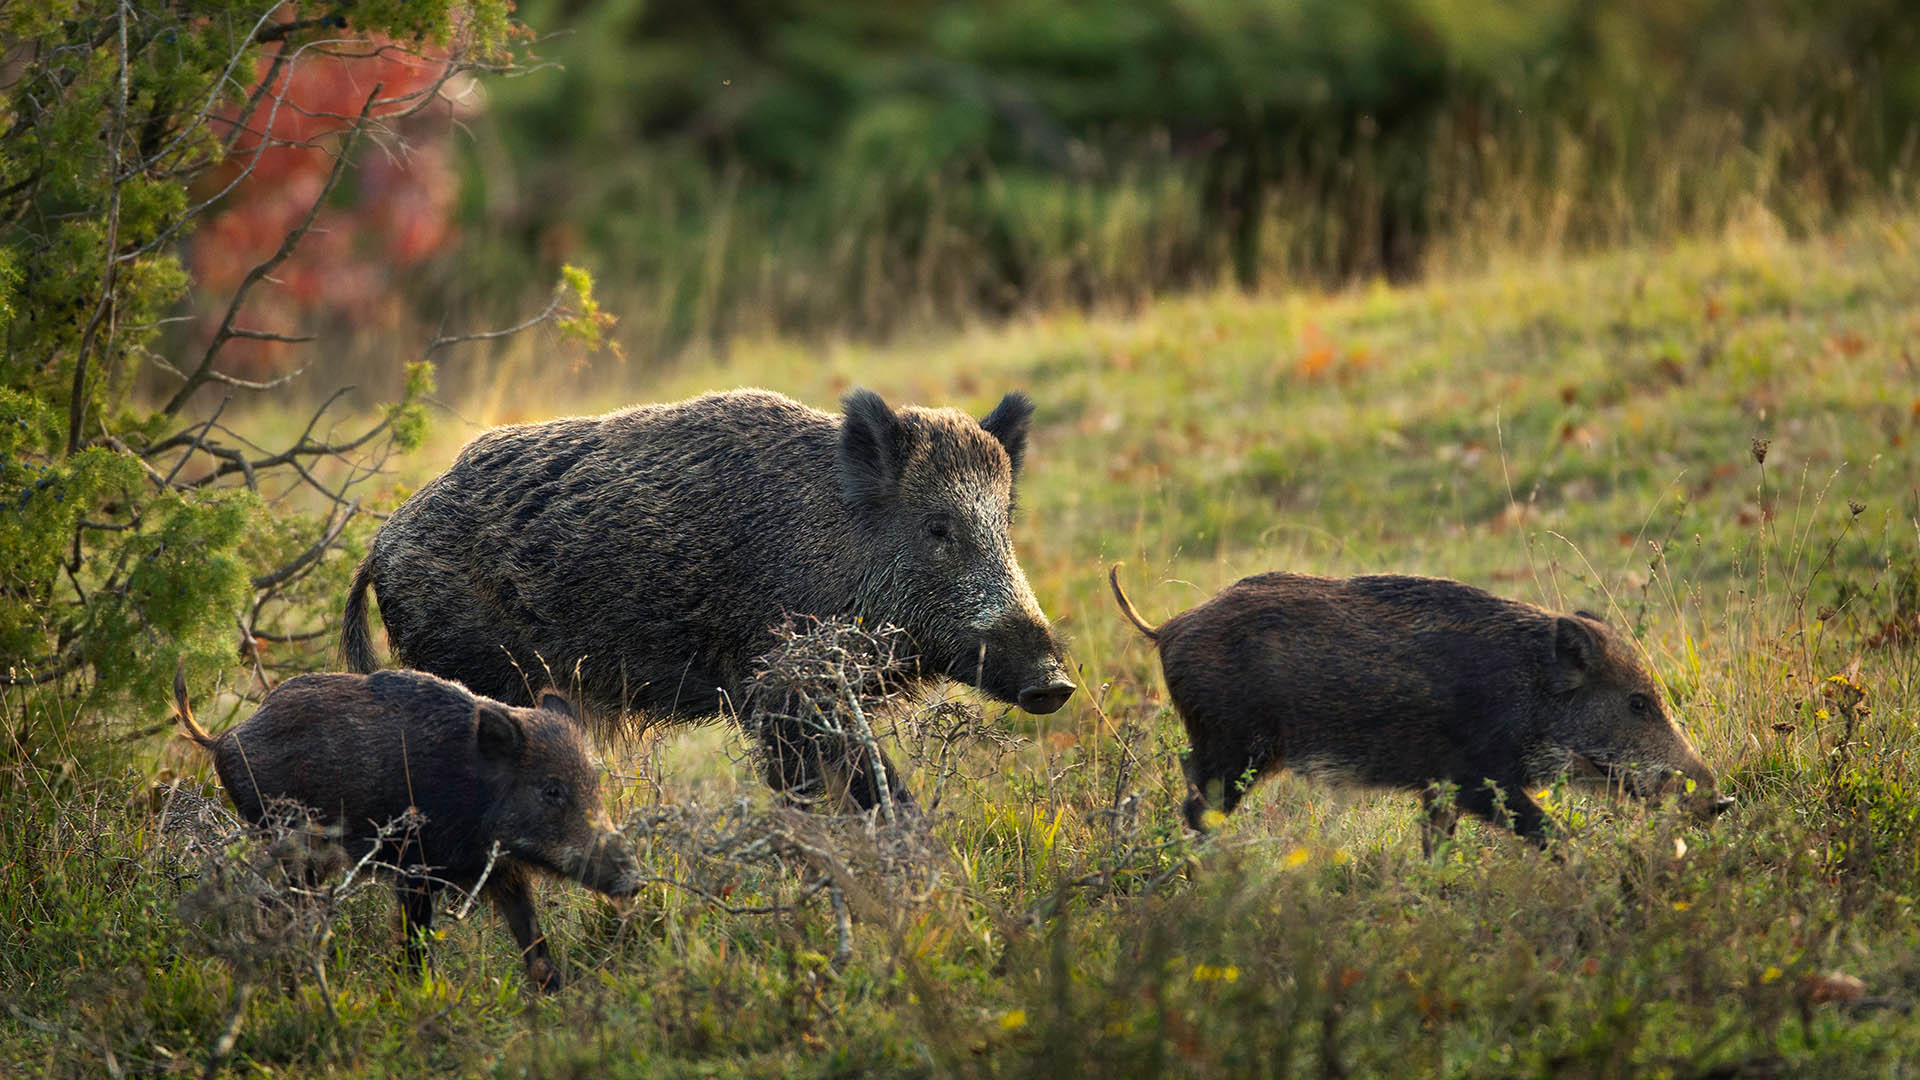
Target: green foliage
x=579 y=318
x=1577 y=433
x=408 y=416
x=797 y=165
x=121 y=553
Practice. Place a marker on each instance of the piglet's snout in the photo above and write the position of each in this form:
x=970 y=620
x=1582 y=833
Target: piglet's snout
x=608 y=866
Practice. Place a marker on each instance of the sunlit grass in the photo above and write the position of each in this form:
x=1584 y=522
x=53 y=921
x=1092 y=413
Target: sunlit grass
x=1579 y=434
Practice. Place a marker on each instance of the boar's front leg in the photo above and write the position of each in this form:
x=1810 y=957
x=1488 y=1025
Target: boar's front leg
x=808 y=762
x=1511 y=807
x=416 y=895
x=512 y=892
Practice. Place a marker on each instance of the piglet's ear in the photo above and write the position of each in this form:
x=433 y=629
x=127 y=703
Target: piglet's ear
x=1576 y=649
x=554 y=701
x=873 y=445
x=498 y=734
x=1008 y=423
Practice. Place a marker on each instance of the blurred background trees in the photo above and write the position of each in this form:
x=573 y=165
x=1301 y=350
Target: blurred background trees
x=808 y=166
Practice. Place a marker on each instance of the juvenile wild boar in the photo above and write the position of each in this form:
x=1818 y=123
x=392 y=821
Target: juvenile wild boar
x=359 y=750
x=1407 y=682
x=644 y=557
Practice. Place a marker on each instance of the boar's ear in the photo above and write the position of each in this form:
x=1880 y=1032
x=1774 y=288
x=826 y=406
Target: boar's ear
x=1585 y=614
x=552 y=700
x=1576 y=649
x=1008 y=423
x=872 y=446
x=498 y=734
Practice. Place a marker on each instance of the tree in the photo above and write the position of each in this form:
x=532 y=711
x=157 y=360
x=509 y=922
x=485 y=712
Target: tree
x=134 y=537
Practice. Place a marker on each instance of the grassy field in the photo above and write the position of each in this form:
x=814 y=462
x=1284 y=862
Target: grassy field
x=1713 y=445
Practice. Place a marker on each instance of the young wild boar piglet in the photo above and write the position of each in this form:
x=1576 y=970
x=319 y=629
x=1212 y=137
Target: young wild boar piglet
x=1408 y=682
x=359 y=750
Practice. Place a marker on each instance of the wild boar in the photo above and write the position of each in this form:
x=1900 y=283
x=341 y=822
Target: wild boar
x=1411 y=682
x=359 y=751
x=643 y=558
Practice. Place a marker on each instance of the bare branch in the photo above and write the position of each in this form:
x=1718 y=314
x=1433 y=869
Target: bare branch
x=335 y=525
x=237 y=383
x=281 y=31
x=197 y=440
x=546 y=314
x=225 y=333
x=268 y=335
x=213 y=95
x=77 y=403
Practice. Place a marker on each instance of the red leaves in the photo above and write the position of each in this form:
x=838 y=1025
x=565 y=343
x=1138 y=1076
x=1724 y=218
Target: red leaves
x=399 y=213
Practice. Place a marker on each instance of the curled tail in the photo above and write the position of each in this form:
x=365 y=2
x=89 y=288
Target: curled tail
x=190 y=730
x=1126 y=606
x=355 y=643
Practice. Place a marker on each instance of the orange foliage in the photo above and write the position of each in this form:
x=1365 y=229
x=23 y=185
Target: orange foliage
x=394 y=212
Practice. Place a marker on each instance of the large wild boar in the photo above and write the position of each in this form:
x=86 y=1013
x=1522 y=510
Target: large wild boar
x=1409 y=682
x=359 y=751
x=643 y=558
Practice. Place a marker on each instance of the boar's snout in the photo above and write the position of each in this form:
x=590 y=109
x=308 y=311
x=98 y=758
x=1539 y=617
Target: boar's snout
x=1021 y=662
x=1046 y=697
x=610 y=867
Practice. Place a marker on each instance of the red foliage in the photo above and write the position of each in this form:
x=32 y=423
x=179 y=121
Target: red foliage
x=392 y=212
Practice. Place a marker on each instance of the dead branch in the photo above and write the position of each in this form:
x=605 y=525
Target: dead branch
x=221 y=336
x=336 y=524
x=77 y=404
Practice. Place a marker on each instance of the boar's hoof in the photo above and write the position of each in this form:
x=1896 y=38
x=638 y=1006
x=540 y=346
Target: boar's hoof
x=1195 y=811
x=1046 y=697
x=544 y=974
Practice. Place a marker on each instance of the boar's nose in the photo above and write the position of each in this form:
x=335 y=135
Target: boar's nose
x=1046 y=697
x=1719 y=804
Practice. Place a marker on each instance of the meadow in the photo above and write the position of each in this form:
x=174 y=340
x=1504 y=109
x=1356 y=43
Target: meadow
x=1709 y=442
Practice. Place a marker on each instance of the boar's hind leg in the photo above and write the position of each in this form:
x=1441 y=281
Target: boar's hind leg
x=1220 y=779
x=512 y=893
x=1511 y=808
x=808 y=763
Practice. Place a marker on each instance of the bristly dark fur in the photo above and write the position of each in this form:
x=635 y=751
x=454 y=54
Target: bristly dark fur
x=361 y=750
x=643 y=557
x=1407 y=681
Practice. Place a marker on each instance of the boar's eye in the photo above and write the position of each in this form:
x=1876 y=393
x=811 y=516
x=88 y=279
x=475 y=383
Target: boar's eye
x=553 y=793
x=939 y=528
x=1639 y=703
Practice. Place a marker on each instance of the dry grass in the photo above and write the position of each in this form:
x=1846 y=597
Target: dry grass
x=1578 y=433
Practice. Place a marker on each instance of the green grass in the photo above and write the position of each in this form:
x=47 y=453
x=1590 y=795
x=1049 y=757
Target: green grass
x=1579 y=434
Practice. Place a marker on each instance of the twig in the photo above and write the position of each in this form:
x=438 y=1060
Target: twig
x=225 y=333
x=197 y=440
x=489 y=335
x=109 y=278
x=230 y=1033
x=281 y=31
x=335 y=525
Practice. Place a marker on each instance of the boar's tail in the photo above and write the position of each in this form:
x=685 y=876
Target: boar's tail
x=190 y=729
x=355 y=643
x=1126 y=606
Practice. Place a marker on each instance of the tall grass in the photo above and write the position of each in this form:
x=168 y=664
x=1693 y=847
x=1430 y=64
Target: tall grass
x=1578 y=432
x=703 y=257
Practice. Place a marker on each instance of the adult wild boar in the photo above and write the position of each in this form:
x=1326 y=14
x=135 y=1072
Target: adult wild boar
x=1409 y=682
x=643 y=557
x=359 y=751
